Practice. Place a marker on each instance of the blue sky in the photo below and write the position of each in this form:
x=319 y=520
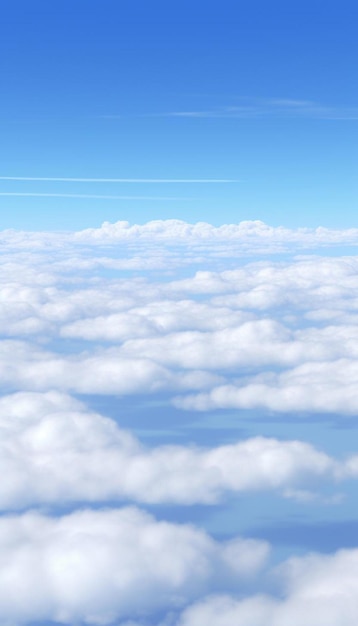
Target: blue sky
x=263 y=93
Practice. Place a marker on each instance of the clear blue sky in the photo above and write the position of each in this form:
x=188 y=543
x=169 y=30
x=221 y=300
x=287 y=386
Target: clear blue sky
x=261 y=92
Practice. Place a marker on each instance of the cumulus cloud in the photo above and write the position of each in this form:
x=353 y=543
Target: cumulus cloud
x=54 y=451
x=265 y=335
x=323 y=387
x=243 y=238
x=317 y=589
x=248 y=232
x=253 y=343
x=100 y=566
x=104 y=371
x=156 y=318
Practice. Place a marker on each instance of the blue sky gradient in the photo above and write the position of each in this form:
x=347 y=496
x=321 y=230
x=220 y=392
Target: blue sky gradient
x=259 y=92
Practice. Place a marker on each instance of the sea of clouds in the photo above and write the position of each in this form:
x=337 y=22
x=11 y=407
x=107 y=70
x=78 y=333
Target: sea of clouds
x=197 y=318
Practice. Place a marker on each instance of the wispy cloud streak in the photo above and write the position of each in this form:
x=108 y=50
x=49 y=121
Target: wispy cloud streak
x=87 y=196
x=272 y=107
x=120 y=180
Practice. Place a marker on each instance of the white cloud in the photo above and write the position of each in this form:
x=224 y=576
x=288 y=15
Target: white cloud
x=101 y=566
x=119 y=180
x=86 y=196
x=272 y=107
x=252 y=343
x=156 y=318
x=247 y=321
x=250 y=233
x=323 y=387
x=278 y=336
x=257 y=336
x=105 y=371
x=228 y=240
x=316 y=589
x=54 y=451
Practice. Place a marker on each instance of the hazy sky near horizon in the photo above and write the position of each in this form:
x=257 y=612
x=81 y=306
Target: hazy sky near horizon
x=261 y=93
x=178 y=313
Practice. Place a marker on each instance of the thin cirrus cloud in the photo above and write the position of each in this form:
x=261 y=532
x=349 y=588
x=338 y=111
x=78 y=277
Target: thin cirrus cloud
x=271 y=107
x=120 y=180
x=87 y=196
x=138 y=181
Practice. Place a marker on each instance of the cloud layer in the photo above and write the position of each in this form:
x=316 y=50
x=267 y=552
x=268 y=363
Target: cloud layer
x=199 y=317
x=276 y=336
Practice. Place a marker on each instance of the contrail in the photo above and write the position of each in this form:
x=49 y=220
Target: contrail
x=88 y=196
x=120 y=180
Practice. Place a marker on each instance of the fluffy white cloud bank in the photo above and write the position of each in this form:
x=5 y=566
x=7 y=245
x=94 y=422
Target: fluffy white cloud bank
x=278 y=336
x=104 y=371
x=170 y=243
x=52 y=450
x=323 y=387
x=319 y=590
x=100 y=566
x=247 y=232
x=123 y=310
x=123 y=566
x=257 y=365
